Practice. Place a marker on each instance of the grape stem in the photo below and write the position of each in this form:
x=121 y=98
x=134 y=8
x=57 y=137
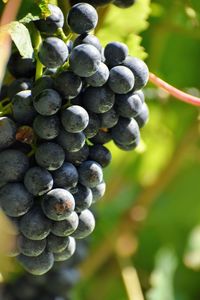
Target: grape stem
x=174 y=91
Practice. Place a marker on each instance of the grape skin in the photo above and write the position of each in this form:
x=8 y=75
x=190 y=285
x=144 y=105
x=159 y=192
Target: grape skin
x=7 y=132
x=47 y=128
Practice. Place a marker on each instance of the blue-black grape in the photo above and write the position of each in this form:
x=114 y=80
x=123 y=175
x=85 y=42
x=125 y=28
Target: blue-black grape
x=58 y=204
x=71 y=142
x=121 y=80
x=84 y=60
x=57 y=244
x=126 y=131
x=139 y=70
x=15 y=200
x=88 y=39
x=109 y=119
x=98 y=100
x=20 y=67
x=7 y=132
x=86 y=224
x=98 y=192
x=83 y=197
x=53 y=52
x=13 y=165
x=67 y=252
x=76 y=158
x=65 y=227
x=29 y=247
x=115 y=53
x=143 y=117
x=140 y=93
x=82 y=18
x=129 y=147
x=100 y=154
x=34 y=225
x=43 y=83
x=23 y=110
x=68 y=84
x=38 y=265
x=66 y=176
x=102 y=137
x=128 y=105
x=50 y=156
x=38 y=181
x=51 y=23
x=100 y=77
x=90 y=173
x=18 y=85
x=47 y=128
x=93 y=125
x=74 y=119
x=48 y=102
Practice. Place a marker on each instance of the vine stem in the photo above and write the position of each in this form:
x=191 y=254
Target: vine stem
x=174 y=91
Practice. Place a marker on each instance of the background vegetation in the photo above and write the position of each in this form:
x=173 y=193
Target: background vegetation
x=147 y=241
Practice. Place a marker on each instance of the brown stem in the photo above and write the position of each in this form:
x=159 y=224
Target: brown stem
x=174 y=91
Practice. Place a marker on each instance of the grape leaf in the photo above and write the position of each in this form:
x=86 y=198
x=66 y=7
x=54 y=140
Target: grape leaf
x=21 y=37
x=43 y=5
x=28 y=18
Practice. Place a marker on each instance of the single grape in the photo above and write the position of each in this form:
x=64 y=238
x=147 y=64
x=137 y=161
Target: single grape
x=35 y=225
x=121 y=80
x=53 y=52
x=71 y=141
x=93 y=125
x=43 y=83
x=66 y=176
x=76 y=158
x=128 y=105
x=50 y=156
x=115 y=53
x=38 y=181
x=139 y=70
x=67 y=252
x=7 y=132
x=84 y=60
x=100 y=154
x=100 y=77
x=51 y=23
x=46 y=128
x=140 y=93
x=88 y=39
x=18 y=85
x=126 y=131
x=109 y=119
x=38 y=265
x=74 y=119
x=20 y=67
x=68 y=84
x=48 y=102
x=98 y=191
x=23 y=110
x=86 y=225
x=65 y=227
x=57 y=244
x=83 y=197
x=143 y=117
x=98 y=100
x=82 y=18
x=15 y=200
x=93 y=2
x=90 y=173
x=29 y=247
x=58 y=204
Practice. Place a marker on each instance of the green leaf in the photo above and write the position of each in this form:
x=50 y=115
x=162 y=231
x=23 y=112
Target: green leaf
x=43 y=5
x=28 y=18
x=21 y=37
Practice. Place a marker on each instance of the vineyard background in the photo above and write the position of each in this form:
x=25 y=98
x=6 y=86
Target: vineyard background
x=148 y=224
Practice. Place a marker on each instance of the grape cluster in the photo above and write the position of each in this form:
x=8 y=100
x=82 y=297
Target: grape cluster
x=53 y=131
x=55 y=285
